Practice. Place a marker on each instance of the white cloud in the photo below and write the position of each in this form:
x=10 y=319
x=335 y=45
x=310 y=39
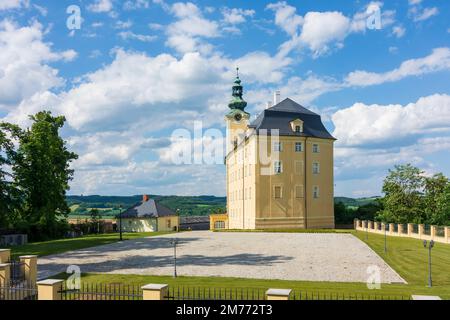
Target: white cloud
x=23 y=58
x=236 y=15
x=185 y=34
x=129 y=35
x=101 y=6
x=136 y=4
x=123 y=24
x=438 y=60
x=286 y=17
x=323 y=29
x=398 y=31
x=426 y=14
x=362 y=124
x=13 y=4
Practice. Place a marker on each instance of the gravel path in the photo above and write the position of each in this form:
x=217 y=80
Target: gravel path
x=287 y=256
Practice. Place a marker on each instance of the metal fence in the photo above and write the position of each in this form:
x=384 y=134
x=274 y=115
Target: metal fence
x=305 y=295
x=23 y=291
x=206 y=293
x=17 y=269
x=440 y=231
x=102 y=291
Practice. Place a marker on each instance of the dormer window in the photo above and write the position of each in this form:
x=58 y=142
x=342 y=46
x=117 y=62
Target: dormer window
x=297 y=126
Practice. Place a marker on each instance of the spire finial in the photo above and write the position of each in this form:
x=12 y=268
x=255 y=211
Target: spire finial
x=237 y=72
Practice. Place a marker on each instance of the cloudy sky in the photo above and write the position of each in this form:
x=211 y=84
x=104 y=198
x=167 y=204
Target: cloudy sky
x=137 y=70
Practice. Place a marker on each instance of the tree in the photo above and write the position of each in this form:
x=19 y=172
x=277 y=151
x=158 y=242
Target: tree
x=42 y=173
x=437 y=199
x=9 y=195
x=95 y=219
x=403 y=201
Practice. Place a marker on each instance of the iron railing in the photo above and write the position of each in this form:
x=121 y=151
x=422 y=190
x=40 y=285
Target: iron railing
x=23 y=291
x=308 y=295
x=207 y=293
x=102 y=291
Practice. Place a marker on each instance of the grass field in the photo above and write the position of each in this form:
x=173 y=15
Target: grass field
x=406 y=256
x=58 y=246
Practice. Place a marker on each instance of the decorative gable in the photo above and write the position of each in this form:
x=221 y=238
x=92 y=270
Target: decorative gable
x=297 y=126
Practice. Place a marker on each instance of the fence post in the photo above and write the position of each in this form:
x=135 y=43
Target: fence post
x=410 y=229
x=400 y=229
x=155 y=291
x=376 y=226
x=5 y=255
x=447 y=234
x=391 y=228
x=5 y=274
x=433 y=232
x=29 y=268
x=278 y=294
x=355 y=224
x=421 y=227
x=50 y=289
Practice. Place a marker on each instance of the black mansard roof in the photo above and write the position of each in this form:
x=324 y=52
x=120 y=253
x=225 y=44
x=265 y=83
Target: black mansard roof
x=281 y=115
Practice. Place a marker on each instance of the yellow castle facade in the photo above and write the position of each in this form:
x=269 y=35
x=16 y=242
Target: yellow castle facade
x=279 y=167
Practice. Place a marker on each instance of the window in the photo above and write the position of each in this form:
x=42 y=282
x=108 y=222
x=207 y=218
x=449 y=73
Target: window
x=316 y=168
x=316 y=192
x=298 y=147
x=299 y=167
x=169 y=223
x=299 y=191
x=277 y=167
x=316 y=148
x=277 y=192
x=298 y=129
x=219 y=225
x=277 y=146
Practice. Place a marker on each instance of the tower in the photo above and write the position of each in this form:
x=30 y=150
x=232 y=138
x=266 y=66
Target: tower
x=237 y=119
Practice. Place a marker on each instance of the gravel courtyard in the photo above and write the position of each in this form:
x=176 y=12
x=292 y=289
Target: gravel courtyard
x=287 y=256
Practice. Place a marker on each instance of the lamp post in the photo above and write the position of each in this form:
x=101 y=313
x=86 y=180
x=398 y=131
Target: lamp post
x=430 y=246
x=120 y=222
x=178 y=215
x=174 y=242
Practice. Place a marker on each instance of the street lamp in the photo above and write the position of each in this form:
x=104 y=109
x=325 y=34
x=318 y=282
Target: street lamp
x=120 y=221
x=174 y=242
x=430 y=246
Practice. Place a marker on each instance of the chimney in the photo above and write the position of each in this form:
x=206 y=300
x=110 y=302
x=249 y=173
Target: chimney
x=145 y=198
x=268 y=104
x=276 y=97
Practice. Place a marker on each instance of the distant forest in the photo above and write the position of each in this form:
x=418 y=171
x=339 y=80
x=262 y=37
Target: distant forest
x=108 y=206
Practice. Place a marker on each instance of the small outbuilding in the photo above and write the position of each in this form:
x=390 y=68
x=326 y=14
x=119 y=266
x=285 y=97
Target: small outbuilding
x=149 y=216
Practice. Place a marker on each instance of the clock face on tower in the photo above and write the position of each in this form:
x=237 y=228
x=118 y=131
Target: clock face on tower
x=238 y=117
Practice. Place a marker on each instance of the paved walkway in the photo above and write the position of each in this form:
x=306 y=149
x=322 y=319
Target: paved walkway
x=288 y=256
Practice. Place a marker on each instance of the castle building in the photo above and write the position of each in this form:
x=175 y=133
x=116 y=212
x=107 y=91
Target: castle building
x=279 y=167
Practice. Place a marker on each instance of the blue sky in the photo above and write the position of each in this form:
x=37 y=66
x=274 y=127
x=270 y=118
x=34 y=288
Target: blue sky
x=137 y=70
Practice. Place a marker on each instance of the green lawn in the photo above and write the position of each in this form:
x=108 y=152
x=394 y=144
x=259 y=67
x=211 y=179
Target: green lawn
x=406 y=256
x=63 y=245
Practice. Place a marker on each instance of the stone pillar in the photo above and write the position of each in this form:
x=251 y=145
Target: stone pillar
x=5 y=274
x=433 y=232
x=376 y=225
x=391 y=228
x=155 y=291
x=29 y=268
x=356 y=224
x=421 y=227
x=447 y=234
x=410 y=229
x=5 y=255
x=278 y=294
x=50 y=289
